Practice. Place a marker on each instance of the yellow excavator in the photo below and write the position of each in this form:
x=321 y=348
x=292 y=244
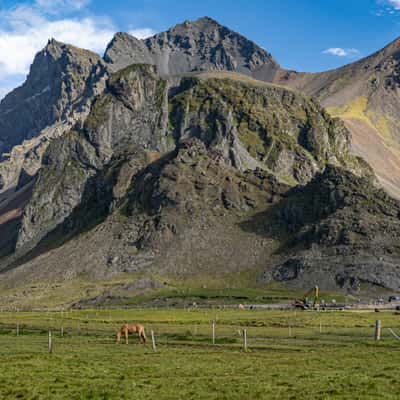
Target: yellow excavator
x=304 y=302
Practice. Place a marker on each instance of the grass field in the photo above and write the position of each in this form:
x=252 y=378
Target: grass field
x=323 y=355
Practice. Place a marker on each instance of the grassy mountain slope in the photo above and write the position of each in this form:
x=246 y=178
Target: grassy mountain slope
x=365 y=95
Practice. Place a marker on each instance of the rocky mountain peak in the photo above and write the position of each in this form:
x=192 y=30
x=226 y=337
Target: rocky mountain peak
x=58 y=51
x=206 y=20
x=204 y=23
x=54 y=46
x=193 y=46
x=56 y=94
x=56 y=80
x=204 y=45
x=124 y=50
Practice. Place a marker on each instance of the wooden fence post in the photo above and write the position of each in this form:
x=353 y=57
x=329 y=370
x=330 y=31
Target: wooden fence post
x=320 y=327
x=62 y=331
x=50 y=343
x=377 y=330
x=244 y=339
x=153 y=341
x=290 y=331
x=213 y=332
x=17 y=329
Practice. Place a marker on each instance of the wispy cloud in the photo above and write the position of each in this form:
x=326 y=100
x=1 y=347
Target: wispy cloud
x=395 y=4
x=57 y=6
x=387 y=8
x=342 y=52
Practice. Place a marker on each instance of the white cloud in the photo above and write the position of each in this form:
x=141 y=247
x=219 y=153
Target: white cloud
x=341 y=52
x=395 y=4
x=25 y=29
x=387 y=8
x=142 y=33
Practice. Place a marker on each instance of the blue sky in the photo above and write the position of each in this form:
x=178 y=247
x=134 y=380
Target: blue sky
x=306 y=35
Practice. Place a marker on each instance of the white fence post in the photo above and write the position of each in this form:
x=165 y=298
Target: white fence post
x=50 y=343
x=244 y=339
x=153 y=341
x=213 y=332
x=377 y=330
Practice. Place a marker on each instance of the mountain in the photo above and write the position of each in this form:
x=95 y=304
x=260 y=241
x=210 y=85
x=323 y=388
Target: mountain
x=243 y=120
x=201 y=45
x=57 y=81
x=161 y=186
x=173 y=160
x=365 y=95
x=55 y=95
x=125 y=50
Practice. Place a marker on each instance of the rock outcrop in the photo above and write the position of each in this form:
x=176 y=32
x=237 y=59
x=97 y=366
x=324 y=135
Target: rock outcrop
x=130 y=117
x=60 y=79
x=256 y=124
x=125 y=50
x=338 y=229
x=62 y=82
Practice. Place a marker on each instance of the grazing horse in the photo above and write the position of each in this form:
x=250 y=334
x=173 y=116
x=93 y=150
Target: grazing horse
x=131 y=328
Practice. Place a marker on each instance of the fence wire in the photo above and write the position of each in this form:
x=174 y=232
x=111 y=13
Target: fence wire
x=68 y=335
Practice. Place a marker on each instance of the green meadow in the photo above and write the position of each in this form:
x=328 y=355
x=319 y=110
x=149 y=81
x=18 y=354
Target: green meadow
x=290 y=355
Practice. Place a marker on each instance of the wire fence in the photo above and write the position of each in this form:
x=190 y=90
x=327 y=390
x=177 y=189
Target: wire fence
x=68 y=334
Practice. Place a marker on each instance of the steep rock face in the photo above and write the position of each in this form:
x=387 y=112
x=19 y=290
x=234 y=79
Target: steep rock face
x=25 y=160
x=129 y=117
x=57 y=80
x=256 y=124
x=131 y=113
x=125 y=50
x=57 y=93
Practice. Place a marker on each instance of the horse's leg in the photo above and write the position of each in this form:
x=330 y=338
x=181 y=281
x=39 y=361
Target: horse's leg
x=126 y=336
x=118 y=336
x=143 y=335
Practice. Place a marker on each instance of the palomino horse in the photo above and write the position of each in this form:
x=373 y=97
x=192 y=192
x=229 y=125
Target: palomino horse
x=131 y=328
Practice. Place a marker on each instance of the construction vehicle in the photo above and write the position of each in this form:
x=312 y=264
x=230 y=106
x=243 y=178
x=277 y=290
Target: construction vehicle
x=304 y=302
